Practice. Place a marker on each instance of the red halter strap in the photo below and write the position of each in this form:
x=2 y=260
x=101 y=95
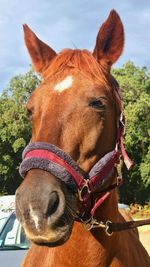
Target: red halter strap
x=95 y=180
x=45 y=154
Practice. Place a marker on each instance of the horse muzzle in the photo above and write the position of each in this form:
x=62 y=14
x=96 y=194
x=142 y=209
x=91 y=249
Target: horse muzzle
x=41 y=207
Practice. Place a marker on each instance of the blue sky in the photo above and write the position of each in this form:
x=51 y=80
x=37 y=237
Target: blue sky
x=65 y=23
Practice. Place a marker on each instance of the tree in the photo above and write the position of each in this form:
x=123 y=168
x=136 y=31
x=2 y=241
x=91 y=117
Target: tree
x=135 y=84
x=15 y=129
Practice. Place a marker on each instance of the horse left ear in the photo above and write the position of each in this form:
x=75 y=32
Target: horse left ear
x=41 y=54
x=110 y=40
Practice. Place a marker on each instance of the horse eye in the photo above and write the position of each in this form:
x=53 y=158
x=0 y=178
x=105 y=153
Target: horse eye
x=97 y=104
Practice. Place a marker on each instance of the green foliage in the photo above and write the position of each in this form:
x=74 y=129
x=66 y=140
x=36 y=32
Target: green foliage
x=135 y=84
x=15 y=129
x=145 y=169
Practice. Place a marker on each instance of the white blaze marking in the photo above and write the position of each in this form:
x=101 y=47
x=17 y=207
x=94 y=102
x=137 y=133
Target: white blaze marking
x=64 y=84
x=34 y=217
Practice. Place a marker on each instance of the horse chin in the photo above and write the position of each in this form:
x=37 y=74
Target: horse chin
x=53 y=243
x=50 y=238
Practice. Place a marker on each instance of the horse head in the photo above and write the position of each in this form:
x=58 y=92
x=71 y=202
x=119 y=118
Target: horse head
x=75 y=108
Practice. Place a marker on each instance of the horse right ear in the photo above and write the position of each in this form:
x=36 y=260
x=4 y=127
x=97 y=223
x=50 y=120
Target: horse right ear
x=110 y=40
x=41 y=54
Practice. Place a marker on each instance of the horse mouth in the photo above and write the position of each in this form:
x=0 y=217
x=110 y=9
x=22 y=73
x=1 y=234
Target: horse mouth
x=57 y=241
x=50 y=237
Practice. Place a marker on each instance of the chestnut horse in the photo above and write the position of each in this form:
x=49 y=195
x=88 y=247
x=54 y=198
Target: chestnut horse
x=76 y=109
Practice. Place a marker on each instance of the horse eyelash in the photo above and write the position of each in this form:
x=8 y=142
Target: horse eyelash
x=97 y=104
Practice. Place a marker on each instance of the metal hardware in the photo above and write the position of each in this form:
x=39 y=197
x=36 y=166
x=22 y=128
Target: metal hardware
x=119 y=180
x=93 y=223
x=122 y=120
x=107 y=230
x=84 y=190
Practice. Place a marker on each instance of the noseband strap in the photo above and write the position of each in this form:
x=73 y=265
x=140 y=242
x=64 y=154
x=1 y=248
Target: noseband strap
x=50 y=158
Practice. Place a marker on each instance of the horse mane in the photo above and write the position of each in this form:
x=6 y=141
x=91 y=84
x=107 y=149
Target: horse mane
x=84 y=61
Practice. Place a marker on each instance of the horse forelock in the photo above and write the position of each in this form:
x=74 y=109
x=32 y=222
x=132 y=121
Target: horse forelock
x=82 y=60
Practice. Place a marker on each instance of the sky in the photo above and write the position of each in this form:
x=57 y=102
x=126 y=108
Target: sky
x=68 y=24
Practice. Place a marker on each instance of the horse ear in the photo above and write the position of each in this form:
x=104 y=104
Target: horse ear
x=40 y=53
x=110 y=40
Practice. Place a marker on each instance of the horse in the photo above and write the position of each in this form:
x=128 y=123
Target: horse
x=75 y=113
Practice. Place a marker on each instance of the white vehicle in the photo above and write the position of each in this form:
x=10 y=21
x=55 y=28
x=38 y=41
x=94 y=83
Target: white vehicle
x=3 y=218
x=13 y=242
x=7 y=203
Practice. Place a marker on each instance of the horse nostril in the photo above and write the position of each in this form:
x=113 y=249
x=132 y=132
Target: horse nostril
x=53 y=204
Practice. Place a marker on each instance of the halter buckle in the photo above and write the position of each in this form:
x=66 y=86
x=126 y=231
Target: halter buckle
x=84 y=190
x=92 y=223
x=122 y=122
x=107 y=230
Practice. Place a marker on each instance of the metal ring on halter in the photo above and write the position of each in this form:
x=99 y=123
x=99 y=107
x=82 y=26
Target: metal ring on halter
x=92 y=223
x=122 y=120
x=88 y=225
x=84 y=190
x=107 y=230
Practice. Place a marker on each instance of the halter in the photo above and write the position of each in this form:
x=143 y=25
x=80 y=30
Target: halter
x=45 y=156
x=50 y=158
